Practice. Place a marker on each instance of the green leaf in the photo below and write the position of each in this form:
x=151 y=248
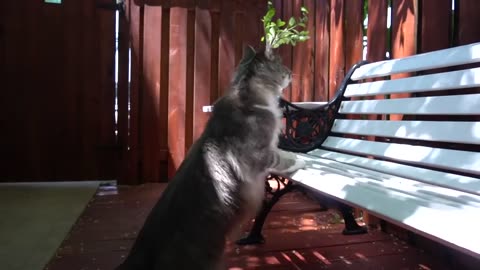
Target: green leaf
x=272 y=31
x=291 y=22
x=283 y=41
x=303 y=38
x=268 y=17
x=279 y=32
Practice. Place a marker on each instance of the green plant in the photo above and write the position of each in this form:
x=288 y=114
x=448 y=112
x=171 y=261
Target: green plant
x=280 y=32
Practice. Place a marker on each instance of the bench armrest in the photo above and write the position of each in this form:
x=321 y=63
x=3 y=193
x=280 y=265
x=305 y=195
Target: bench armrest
x=306 y=125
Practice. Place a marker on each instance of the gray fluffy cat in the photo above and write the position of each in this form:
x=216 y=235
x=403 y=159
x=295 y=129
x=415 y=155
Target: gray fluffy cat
x=220 y=184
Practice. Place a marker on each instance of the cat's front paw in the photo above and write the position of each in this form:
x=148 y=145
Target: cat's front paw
x=299 y=164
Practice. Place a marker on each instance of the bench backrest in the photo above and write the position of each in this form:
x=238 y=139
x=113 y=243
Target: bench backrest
x=428 y=118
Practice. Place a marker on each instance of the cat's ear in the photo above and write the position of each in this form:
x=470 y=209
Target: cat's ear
x=248 y=54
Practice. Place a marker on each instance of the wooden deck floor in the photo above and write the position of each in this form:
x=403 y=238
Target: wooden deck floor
x=298 y=236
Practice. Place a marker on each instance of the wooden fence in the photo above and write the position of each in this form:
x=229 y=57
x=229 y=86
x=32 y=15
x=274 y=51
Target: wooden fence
x=184 y=53
x=57 y=91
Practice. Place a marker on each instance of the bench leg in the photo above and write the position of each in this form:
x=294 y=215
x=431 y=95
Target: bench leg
x=351 y=225
x=255 y=235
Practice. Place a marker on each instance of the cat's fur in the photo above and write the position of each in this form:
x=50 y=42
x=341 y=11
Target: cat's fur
x=220 y=184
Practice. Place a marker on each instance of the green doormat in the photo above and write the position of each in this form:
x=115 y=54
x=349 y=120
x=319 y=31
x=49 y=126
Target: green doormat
x=36 y=217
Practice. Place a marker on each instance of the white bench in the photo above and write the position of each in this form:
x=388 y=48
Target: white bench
x=422 y=172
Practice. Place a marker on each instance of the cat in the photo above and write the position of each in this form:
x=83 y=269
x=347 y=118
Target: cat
x=221 y=183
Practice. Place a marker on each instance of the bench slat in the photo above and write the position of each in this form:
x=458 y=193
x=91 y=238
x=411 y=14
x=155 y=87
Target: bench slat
x=449 y=180
x=441 y=105
x=435 y=157
x=442 y=58
x=456 y=132
x=434 y=82
x=428 y=210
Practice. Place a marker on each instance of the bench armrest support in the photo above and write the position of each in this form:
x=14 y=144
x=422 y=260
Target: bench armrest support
x=306 y=128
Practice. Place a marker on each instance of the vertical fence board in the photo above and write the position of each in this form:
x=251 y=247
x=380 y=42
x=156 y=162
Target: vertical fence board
x=35 y=134
x=72 y=83
x=353 y=32
x=300 y=61
x=202 y=75
x=241 y=29
x=51 y=89
x=150 y=99
x=163 y=121
x=353 y=35
x=226 y=45
x=136 y=21
x=214 y=50
x=377 y=34
x=189 y=104
x=337 y=57
x=90 y=112
x=435 y=24
x=177 y=87
x=322 y=48
x=377 y=30
x=252 y=24
x=104 y=51
x=126 y=167
x=434 y=28
x=285 y=11
x=307 y=79
x=404 y=41
x=54 y=124
x=468 y=21
x=404 y=28
x=134 y=16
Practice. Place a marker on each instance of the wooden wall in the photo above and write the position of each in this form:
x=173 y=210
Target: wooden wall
x=57 y=83
x=56 y=91
x=185 y=53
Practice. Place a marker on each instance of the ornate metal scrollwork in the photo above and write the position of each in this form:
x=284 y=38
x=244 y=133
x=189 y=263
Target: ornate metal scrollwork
x=305 y=129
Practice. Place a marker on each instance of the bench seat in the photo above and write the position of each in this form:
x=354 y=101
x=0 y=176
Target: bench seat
x=401 y=140
x=426 y=207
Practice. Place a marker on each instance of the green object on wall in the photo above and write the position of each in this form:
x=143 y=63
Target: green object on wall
x=53 y=1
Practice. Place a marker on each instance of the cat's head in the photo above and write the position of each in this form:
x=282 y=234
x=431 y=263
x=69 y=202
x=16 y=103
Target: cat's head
x=265 y=67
